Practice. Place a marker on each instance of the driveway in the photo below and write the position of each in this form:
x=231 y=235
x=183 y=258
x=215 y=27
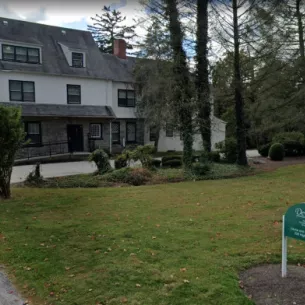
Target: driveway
x=54 y=170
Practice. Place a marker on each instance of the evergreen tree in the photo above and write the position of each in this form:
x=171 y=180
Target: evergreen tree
x=109 y=26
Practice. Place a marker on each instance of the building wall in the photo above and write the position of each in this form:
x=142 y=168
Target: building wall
x=175 y=143
x=53 y=89
x=121 y=112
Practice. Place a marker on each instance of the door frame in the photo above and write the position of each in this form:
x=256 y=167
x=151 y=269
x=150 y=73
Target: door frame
x=82 y=137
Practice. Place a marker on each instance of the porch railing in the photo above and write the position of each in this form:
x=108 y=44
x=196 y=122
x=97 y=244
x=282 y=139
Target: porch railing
x=43 y=150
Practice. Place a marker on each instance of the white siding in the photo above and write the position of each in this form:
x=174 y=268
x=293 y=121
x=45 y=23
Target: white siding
x=122 y=112
x=174 y=143
x=53 y=89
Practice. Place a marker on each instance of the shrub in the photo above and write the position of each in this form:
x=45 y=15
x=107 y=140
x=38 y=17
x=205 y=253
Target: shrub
x=101 y=159
x=11 y=139
x=293 y=148
x=201 y=169
x=138 y=176
x=143 y=154
x=120 y=161
x=289 y=136
x=173 y=163
x=170 y=158
x=156 y=163
x=119 y=175
x=34 y=177
x=277 y=152
x=228 y=148
x=264 y=150
x=214 y=156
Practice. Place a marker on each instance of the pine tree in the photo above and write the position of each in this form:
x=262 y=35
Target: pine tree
x=109 y=26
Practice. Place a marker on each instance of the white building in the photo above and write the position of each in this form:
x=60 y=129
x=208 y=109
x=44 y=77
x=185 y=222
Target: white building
x=73 y=97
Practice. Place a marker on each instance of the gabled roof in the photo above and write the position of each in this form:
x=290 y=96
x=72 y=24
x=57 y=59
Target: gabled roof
x=54 y=110
x=98 y=65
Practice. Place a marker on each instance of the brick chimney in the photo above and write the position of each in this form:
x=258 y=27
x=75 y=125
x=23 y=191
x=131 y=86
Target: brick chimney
x=119 y=49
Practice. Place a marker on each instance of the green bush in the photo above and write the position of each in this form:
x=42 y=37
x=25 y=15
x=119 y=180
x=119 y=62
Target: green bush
x=34 y=178
x=171 y=157
x=293 y=148
x=289 y=136
x=138 y=176
x=277 y=152
x=201 y=169
x=120 y=161
x=214 y=156
x=228 y=148
x=101 y=159
x=263 y=150
x=155 y=163
x=119 y=175
x=133 y=176
x=11 y=139
x=173 y=163
x=143 y=154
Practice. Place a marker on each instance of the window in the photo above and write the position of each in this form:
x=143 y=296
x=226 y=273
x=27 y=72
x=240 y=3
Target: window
x=20 y=54
x=115 y=127
x=73 y=94
x=96 y=131
x=77 y=60
x=169 y=130
x=152 y=134
x=131 y=132
x=33 y=132
x=21 y=91
x=126 y=98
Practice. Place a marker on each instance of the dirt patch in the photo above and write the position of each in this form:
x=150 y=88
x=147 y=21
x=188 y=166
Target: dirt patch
x=269 y=165
x=265 y=286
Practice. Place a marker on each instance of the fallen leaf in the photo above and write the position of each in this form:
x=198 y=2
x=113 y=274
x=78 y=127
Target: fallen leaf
x=182 y=269
x=138 y=285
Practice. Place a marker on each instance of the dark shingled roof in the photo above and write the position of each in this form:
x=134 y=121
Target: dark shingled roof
x=52 y=110
x=98 y=65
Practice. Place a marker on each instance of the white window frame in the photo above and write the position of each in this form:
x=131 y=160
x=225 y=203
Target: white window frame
x=100 y=131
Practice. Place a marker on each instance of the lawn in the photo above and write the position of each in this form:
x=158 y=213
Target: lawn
x=167 y=244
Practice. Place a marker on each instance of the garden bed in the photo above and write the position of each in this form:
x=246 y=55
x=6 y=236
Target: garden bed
x=157 y=176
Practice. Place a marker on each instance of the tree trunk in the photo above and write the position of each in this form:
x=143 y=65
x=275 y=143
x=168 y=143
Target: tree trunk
x=182 y=92
x=202 y=81
x=239 y=103
x=5 y=186
x=157 y=138
x=300 y=30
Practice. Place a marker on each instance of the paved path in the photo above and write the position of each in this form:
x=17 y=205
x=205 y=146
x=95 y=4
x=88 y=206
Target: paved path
x=54 y=170
x=252 y=153
x=8 y=294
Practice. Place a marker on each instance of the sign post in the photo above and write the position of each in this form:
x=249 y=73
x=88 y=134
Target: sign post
x=294 y=227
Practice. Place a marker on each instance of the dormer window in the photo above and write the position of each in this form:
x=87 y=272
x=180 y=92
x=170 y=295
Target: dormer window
x=20 y=54
x=77 y=60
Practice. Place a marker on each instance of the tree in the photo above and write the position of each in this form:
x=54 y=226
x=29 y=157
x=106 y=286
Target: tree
x=182 y=92
x=11 y=139
x=153 y=75
x=108 y=27
x=202 y=75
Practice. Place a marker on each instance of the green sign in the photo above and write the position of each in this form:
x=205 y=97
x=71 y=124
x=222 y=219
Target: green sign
x=295 y=222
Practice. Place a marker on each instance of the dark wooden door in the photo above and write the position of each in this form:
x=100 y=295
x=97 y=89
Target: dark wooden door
x=75 y=138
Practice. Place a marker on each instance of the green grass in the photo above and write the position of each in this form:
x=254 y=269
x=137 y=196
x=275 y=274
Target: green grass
x=168 y=244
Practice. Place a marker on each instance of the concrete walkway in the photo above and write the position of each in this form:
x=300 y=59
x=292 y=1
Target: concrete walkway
x=8 y=294
x=54 y=170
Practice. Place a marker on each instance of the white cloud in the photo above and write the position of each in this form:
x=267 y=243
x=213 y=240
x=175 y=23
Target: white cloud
x=65 y=12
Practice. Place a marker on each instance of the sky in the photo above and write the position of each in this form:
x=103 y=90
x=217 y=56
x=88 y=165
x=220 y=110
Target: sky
x=66 y=13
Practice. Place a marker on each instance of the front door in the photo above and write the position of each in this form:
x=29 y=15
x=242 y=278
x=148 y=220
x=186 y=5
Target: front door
x=75 y=137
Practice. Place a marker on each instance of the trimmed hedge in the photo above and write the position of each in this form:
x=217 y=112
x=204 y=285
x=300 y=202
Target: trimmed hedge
x=171 y=157
x=156 y=163
x=201 y=169
x=173 y=163
x=264 y=150
x=277 y=152
x=214 y=156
